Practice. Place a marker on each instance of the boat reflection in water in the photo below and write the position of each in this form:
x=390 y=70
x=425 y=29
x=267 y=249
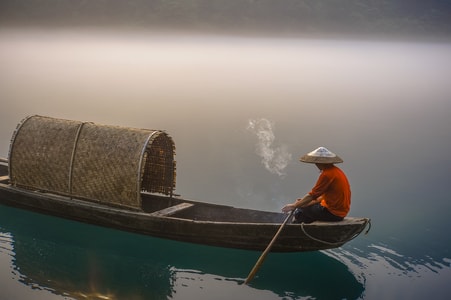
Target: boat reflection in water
x=82 y=261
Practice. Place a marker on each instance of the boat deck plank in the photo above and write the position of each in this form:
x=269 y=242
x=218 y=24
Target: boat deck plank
x=172 y=210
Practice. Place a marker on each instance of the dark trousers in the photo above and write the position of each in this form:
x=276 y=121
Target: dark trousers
x=314 y=212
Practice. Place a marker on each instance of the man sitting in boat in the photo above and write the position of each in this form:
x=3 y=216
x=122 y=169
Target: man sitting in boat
x=330 y=198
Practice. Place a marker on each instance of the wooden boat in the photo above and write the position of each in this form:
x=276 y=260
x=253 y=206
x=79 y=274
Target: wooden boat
x=29 y=180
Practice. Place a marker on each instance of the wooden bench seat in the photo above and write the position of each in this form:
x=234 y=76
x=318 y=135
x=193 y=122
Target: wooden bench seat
x=4 y=179
x=172 y=209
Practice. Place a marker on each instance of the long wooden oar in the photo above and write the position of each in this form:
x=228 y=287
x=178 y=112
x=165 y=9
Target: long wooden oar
x=268 y=248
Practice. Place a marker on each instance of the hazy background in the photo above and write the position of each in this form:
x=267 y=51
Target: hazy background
x=394 y=18
x=245 y=88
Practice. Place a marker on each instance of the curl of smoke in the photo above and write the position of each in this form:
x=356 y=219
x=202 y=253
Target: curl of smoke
x=275 y=159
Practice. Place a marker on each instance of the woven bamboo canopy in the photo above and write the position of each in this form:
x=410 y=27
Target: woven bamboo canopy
x=108 y=164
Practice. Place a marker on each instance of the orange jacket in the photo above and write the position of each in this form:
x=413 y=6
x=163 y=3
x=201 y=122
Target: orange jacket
x=335 y=190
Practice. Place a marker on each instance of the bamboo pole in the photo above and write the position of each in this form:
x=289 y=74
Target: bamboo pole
x=268 y=248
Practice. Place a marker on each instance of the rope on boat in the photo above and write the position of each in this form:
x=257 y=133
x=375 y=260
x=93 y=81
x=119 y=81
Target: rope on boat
x=337 y=243
x=369 y=226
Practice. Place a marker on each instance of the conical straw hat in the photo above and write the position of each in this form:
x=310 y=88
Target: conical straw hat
x=321 y=155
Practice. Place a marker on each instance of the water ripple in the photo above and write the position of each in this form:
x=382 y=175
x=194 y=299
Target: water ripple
x=379 y=266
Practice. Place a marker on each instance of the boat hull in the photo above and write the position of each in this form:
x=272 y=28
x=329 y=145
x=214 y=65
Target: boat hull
x=242 y=235
x=191 y=221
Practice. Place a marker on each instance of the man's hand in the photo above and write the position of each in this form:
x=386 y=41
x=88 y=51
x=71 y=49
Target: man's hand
x=289 y=207
x=301 y=202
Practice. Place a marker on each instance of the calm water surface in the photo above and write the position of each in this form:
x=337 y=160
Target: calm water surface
x=241 y=112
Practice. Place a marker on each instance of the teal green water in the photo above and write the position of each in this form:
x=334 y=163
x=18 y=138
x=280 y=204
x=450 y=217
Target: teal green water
x=49 y=257
x=241 y=112
x=72 y=259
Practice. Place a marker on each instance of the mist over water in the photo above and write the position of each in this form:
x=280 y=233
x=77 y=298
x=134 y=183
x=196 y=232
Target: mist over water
x=241 y=111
